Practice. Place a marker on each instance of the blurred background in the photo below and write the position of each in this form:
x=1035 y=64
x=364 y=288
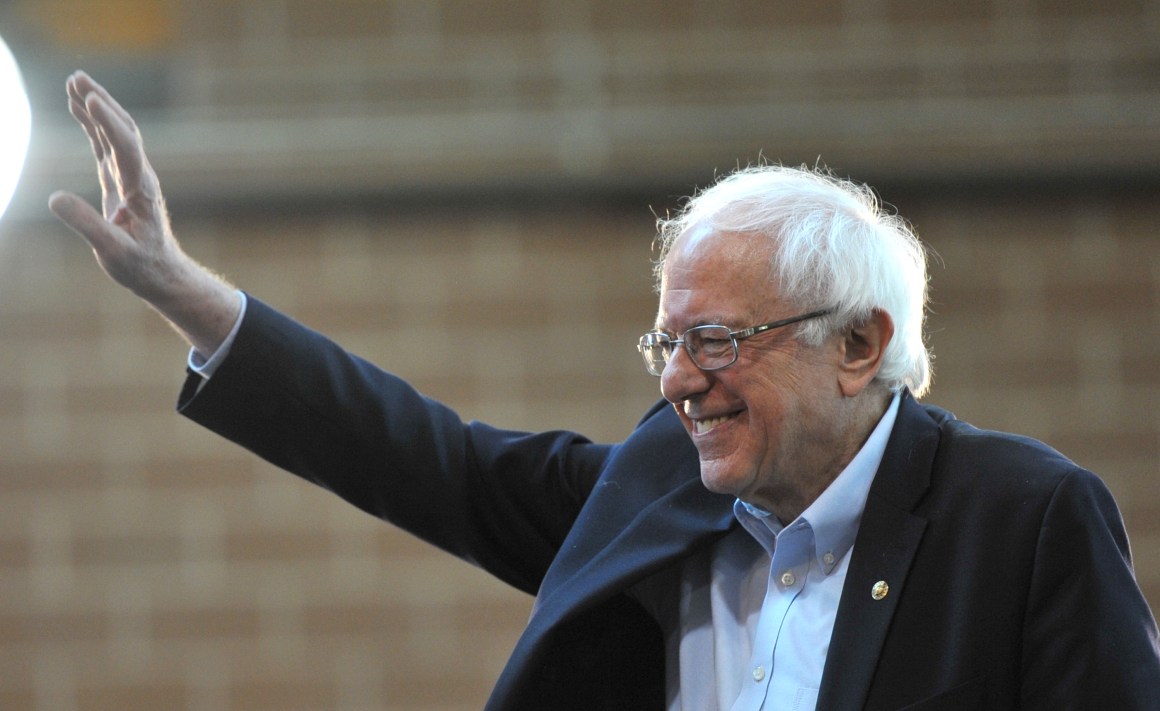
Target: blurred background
x=465 y=192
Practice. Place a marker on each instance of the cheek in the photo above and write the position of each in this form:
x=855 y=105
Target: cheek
x=763 y=396
x=766 y=431
x=772 y=410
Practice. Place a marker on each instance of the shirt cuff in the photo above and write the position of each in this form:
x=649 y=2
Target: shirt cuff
x=205 y=367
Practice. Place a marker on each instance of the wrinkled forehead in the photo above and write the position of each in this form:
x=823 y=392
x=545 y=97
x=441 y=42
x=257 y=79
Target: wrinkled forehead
x=709 y=275
x=704 y=250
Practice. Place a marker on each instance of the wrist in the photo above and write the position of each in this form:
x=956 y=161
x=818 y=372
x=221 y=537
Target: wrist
x=200 y=305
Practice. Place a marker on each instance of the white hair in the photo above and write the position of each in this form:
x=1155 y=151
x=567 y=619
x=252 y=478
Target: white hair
x=835 y=248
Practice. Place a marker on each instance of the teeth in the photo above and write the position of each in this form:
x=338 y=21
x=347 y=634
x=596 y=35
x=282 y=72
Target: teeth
x=708 y=424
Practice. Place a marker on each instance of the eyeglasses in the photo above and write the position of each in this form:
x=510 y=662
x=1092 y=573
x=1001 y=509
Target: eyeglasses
x=710 y=347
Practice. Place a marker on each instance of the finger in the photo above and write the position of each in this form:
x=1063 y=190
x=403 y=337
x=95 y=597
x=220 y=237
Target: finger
x=110 y=195
x=73 y=90
x=107 y=164
x=76 y=107
x=83 y=219
x=106 y=171
x=87 y=86
x=111 y=129
x=120 y=140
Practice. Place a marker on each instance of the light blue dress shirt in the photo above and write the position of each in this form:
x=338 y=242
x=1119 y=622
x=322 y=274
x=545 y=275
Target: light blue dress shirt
x=747 y=622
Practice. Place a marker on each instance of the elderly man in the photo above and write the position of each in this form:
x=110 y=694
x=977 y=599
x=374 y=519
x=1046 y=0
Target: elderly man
x=794 y=531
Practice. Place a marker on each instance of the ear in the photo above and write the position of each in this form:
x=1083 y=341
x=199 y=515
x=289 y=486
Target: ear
x=862 y=348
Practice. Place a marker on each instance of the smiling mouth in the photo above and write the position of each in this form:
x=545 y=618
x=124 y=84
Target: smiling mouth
x=703 y=426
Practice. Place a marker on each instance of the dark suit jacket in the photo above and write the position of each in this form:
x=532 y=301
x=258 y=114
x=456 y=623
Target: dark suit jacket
x=1009 y=574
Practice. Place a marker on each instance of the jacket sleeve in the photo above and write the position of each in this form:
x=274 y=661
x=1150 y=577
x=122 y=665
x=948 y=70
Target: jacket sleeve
x=499 y=499
x=1090 y=640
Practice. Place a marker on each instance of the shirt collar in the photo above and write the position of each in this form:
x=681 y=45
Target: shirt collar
x=834 y=516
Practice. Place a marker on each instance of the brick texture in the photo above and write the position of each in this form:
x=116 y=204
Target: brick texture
x=149 y=565
x=145 y=564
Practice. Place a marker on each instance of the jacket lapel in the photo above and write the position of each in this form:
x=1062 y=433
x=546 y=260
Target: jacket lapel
x=888 y=538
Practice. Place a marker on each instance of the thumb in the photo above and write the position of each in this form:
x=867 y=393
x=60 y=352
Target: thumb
x=83 y=218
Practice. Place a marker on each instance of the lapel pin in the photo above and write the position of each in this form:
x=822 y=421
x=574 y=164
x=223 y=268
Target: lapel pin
x=880 y=590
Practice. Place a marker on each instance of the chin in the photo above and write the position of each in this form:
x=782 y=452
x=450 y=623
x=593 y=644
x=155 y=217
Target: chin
x=719 y=479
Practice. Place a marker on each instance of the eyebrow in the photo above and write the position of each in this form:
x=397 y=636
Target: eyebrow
x=715 y=320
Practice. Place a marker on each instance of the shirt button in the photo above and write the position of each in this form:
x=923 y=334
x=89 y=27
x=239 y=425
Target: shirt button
x=787 y=579
x=758 y=673
x=828 y=558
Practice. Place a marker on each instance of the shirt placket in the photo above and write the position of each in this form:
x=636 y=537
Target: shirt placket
x=789 y=566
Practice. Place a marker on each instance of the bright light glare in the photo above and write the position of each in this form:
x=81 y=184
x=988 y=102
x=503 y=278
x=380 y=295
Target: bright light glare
x=15 y=125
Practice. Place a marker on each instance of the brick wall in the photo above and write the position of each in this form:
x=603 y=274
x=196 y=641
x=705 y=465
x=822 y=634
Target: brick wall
x=147 y=564
x=420 y=95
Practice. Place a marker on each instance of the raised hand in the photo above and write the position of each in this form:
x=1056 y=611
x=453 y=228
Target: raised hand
x=132 y=239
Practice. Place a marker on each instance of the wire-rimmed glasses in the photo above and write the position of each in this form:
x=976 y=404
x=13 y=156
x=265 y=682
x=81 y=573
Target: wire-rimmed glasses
x=710 y=347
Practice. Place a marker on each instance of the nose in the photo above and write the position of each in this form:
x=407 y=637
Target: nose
x=682 y=379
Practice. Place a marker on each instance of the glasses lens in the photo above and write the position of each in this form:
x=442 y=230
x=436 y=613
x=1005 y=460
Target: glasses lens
x=654 y=348
x=710 y=346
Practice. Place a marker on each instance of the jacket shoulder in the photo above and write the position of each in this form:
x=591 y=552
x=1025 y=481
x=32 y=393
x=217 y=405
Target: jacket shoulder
x=992 y=453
